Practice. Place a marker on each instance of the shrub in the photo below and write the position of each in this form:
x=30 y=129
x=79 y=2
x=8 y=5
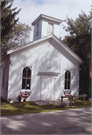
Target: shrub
x=2 y=99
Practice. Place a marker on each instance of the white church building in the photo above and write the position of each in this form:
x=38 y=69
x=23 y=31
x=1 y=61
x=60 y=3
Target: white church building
x=46 y=67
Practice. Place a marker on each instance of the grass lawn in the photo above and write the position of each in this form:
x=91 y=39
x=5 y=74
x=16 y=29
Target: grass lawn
x=31 y=107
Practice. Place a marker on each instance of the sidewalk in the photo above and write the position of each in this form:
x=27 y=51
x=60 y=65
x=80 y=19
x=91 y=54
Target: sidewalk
x=55 y=102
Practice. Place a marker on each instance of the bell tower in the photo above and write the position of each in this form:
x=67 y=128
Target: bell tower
x=45 y=25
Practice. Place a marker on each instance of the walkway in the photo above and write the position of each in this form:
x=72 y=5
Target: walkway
x=55 y=102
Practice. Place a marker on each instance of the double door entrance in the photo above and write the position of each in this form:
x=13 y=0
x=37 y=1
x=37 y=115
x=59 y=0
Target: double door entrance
x=48 y=87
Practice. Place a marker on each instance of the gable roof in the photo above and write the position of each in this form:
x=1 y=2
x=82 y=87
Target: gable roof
x=41 y=16
x=52 y=37
x=63 y=45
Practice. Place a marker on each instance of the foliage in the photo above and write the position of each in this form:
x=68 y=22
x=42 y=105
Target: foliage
x=8 y=22
x=20 y=35
x=2 y=99
x=79 y=40
x=13 y=33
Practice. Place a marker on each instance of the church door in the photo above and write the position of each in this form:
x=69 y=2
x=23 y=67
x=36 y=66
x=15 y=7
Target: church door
x=47 y=88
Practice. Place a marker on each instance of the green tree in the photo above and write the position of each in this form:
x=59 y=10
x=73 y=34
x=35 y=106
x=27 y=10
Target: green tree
x=13 y=33
x=79 y=40
x=8 y=23
x=21 y=35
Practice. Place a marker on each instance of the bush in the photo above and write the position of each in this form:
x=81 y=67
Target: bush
x=2 y=99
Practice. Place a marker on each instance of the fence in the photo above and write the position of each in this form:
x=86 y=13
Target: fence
x=71 y=99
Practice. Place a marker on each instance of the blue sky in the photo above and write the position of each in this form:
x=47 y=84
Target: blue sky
x=31 y=9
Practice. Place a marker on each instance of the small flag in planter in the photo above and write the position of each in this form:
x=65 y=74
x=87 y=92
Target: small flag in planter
x=25 y=94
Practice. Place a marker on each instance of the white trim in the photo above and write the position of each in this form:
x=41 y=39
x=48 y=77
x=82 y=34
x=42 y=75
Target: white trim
x=49 y=73
x=46 y=17
x=30 y=78
x=67 y=80
x=28 y=66
x=51 y=36
x=29 y=44
x=68 y=49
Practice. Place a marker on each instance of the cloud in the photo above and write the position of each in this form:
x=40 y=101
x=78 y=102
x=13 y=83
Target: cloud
x=31 y=9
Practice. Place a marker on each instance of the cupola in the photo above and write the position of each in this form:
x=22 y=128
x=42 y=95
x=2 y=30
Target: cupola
x=45 y=25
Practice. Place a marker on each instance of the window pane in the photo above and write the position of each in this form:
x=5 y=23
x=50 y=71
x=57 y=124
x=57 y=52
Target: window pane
x=24 y=72
x=67 y=80
x=65 y=75
x=68 y=84
x=65 y=84
x=68 y=75
x=28 y=83
x=23 y=83
x=28 y=73
x=26 y=78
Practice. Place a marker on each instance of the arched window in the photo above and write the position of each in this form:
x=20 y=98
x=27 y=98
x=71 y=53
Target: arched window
x=26 y=78
x=67 y=79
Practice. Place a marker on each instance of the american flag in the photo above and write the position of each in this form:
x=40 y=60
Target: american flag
x=25 y=94
x=90 y=73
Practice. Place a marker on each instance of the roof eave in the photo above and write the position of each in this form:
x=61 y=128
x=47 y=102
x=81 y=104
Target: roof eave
x=50 y=37
x=30 y=44
x=68 y=50
x=46 y=17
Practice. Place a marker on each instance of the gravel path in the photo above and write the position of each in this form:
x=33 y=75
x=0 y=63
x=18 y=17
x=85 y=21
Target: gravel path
x=75 y=121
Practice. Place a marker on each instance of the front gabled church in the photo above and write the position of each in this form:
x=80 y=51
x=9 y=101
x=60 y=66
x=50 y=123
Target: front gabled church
x=47 y=67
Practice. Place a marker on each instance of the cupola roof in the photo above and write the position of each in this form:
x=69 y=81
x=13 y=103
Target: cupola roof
x=42 y=16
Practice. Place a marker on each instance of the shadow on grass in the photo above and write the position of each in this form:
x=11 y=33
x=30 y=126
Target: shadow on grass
x=79 y=103
x=25 y=107
x=31 y=107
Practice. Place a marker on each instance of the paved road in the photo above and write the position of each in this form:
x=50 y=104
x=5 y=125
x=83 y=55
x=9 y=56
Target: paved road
x=75 y=121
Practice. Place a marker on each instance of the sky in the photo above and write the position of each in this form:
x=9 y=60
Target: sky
x=60 y=9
